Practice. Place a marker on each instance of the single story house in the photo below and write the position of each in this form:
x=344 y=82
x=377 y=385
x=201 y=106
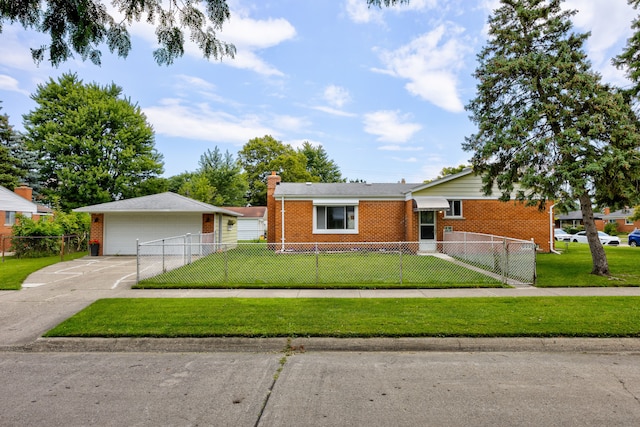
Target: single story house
x=400 y=212
x=118 y=225
x=620 y=217
x=252 y=225
x=573 y=219
x=12 y=203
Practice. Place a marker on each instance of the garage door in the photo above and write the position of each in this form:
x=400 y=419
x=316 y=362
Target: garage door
x=122 y=230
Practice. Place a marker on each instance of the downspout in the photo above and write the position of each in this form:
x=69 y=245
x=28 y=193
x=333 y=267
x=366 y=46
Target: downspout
x=551 y=227
x=282 y=214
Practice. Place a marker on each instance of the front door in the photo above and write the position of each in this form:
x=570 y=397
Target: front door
x=427 y=231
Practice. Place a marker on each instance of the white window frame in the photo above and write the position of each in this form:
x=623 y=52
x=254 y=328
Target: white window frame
x=334 y=204
x=448 y=211
x=10 y=218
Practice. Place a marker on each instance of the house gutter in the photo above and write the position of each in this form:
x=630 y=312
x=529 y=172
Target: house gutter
x=551 y=227
x=282 y=215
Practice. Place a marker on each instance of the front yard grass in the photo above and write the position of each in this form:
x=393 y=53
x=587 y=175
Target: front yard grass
x=14 y=271
x=357 y=317
x=573 y=267
x=259 y=267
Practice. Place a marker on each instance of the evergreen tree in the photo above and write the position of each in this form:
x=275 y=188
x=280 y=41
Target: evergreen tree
x=11 y=174
x=319 y=165
x=548 y=128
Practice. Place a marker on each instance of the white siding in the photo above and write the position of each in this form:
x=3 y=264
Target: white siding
x=122 y=229
x=250 y=228
x=466 y=187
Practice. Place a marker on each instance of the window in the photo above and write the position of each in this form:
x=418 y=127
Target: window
x=455 y=209
x=336 y=219
x=627 y=221
x=9 y=218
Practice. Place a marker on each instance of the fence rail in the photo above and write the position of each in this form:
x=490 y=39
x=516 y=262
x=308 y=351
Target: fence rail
x=36 y=246
x=193 y=260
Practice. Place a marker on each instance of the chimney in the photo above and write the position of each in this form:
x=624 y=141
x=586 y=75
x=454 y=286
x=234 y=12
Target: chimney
x=607 y=211
x=25 y=192
x=272 y=181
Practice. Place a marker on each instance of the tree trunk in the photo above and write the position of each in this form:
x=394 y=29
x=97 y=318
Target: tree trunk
x=598 y=256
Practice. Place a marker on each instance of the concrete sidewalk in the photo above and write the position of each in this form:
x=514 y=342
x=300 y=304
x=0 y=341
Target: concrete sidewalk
x=57 y=292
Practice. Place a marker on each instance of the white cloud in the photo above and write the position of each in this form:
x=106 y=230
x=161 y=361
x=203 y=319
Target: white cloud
x=360 y=13
x=289 y=123
x=8 y=83
x=390 y=126
x=336 y=96
x=334 y=111
x=199 y=122
x=431 y=62
x=248 y=35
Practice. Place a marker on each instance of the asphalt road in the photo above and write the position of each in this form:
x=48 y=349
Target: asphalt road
x=430 y=382
x=319 y=389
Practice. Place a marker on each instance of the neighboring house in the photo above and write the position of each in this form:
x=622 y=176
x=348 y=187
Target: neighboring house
x=620 y=217
x=252 y=225
x=13 y=203
x=363 y=212
x=573 y=219
x=118 y=225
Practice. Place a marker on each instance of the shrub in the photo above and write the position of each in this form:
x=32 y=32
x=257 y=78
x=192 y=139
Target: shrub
x=611 y=228
x=33 y=239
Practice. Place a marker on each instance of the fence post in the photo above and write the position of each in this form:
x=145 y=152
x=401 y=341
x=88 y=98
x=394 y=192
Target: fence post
x=400 y=252
x=187 y=241
x=62 y=248
x=164 y=269
x=2 y=248
x=317 y=265
x=137 y=261
x=504 y=261
x=226 y=266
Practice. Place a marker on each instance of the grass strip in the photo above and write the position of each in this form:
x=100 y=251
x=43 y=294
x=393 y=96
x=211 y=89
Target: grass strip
x=357 y=317
x=14 y=271
x=573 y=267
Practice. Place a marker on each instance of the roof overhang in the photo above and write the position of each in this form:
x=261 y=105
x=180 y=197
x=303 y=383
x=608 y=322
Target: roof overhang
x=430 y=203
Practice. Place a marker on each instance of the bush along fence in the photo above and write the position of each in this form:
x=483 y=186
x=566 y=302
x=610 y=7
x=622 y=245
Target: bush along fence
x=42 y=246
x=197 y=261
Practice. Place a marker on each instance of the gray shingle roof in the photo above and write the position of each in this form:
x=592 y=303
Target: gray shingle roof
x=343 y=189
x=162 y=202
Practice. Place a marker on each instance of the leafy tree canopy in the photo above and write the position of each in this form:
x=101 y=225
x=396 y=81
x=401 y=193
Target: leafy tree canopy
x=93 y=145
x=10 y=172
x=548 y=128
x=82 y=26
x=260 y=156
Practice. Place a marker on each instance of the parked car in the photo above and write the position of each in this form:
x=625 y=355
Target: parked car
x=634 y=237
x=561 y=235
x=605 y=239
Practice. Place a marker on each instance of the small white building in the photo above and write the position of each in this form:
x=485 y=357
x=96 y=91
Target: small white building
x=252 y=225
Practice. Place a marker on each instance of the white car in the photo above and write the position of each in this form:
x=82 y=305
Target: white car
x=605 y=239
x=561 y=235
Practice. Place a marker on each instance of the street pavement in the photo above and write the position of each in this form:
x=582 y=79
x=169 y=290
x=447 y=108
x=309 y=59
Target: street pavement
x=307 y=382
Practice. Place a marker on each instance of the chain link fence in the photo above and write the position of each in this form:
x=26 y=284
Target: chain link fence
x=197 y=261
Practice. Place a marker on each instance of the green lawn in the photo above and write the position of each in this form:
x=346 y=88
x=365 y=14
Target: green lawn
x=14 y=271
x=259 y=267
x=361 y=317
x=572 y=268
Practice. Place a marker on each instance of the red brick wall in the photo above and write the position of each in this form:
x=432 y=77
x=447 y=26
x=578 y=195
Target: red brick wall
x=509 y=219
x=393 y=221
x=97 y=230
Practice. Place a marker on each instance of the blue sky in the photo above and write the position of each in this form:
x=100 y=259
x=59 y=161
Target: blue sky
x=382 y=90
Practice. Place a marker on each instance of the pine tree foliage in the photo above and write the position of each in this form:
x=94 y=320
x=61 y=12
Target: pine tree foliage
x=548 y=128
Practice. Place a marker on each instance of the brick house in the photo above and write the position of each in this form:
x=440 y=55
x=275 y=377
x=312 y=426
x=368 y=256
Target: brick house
x=620 y=217
x=13 y=203
x=401 y=212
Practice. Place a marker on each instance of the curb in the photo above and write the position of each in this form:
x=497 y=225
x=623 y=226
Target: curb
x=300 y=345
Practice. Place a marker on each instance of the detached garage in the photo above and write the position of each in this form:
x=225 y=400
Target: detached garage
x=118 y=225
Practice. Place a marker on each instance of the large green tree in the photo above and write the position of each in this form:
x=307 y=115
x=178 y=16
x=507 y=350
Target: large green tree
x=84 y=26
x=319 y=164
x=260 y=156
x=10 y=172
x=548 y=128
x=224 y=173
x=94 y=145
